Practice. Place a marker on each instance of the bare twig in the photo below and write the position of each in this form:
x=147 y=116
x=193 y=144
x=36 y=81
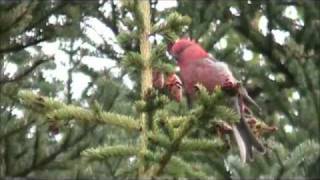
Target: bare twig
x=50 y=158
x=24 y=73
x=18 y=46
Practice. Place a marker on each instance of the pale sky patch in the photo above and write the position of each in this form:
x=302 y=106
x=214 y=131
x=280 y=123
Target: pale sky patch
x=164 y=4
x=288 y=128
x=93 y=35
x=132 y=159
x=32 y=51
x=18 y=113
x=247 y=54
x=271 y=77
x=116 y=71
x=10 y=68
x=290 y=12
x=234 y=11
x=156 y=38
x=97 y=30
x=60 y=95
x=50 y=48
x=80 y=82
x=262 y=61
x=279 y=116
x=60 y=19
x=31 y=132
x=98 y=33
x=106 y=9
x=177 y=69
x=97 y=63
x=36 y=91
x=90 y=47
x=58 y=137
x=296 y=95
x=280 y=36
x=263 y=24
x=128 y=82
x=221 y=44
x=61 y=71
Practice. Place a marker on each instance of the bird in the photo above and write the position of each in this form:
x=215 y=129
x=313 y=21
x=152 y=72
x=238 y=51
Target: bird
x=197 y=66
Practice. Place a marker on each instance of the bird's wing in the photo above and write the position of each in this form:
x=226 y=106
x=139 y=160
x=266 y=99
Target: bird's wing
x=213 y=73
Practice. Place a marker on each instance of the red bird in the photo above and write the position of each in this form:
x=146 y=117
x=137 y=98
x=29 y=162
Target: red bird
x=197 y=66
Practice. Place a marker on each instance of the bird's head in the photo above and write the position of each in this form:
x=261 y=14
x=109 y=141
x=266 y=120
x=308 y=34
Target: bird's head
x=177 y=47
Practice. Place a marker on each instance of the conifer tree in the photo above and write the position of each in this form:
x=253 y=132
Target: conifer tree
x=164 y=139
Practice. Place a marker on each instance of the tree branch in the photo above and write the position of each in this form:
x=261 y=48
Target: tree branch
x=64 y=147
x=18 y=47
x=263 y=45
x=16 y=130
x=164 y=160
x=20 y=17
x=24 y=73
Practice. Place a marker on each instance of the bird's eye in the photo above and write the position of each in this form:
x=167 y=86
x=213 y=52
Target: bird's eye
x=178 y=84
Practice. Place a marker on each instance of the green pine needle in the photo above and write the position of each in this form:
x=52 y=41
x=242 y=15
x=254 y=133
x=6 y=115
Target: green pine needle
x=105 y=152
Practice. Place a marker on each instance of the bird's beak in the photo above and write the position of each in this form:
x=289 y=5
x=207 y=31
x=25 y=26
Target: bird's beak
x=245 y=95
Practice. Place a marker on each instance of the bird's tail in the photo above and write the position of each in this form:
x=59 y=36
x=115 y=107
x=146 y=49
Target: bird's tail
x=243 y=135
